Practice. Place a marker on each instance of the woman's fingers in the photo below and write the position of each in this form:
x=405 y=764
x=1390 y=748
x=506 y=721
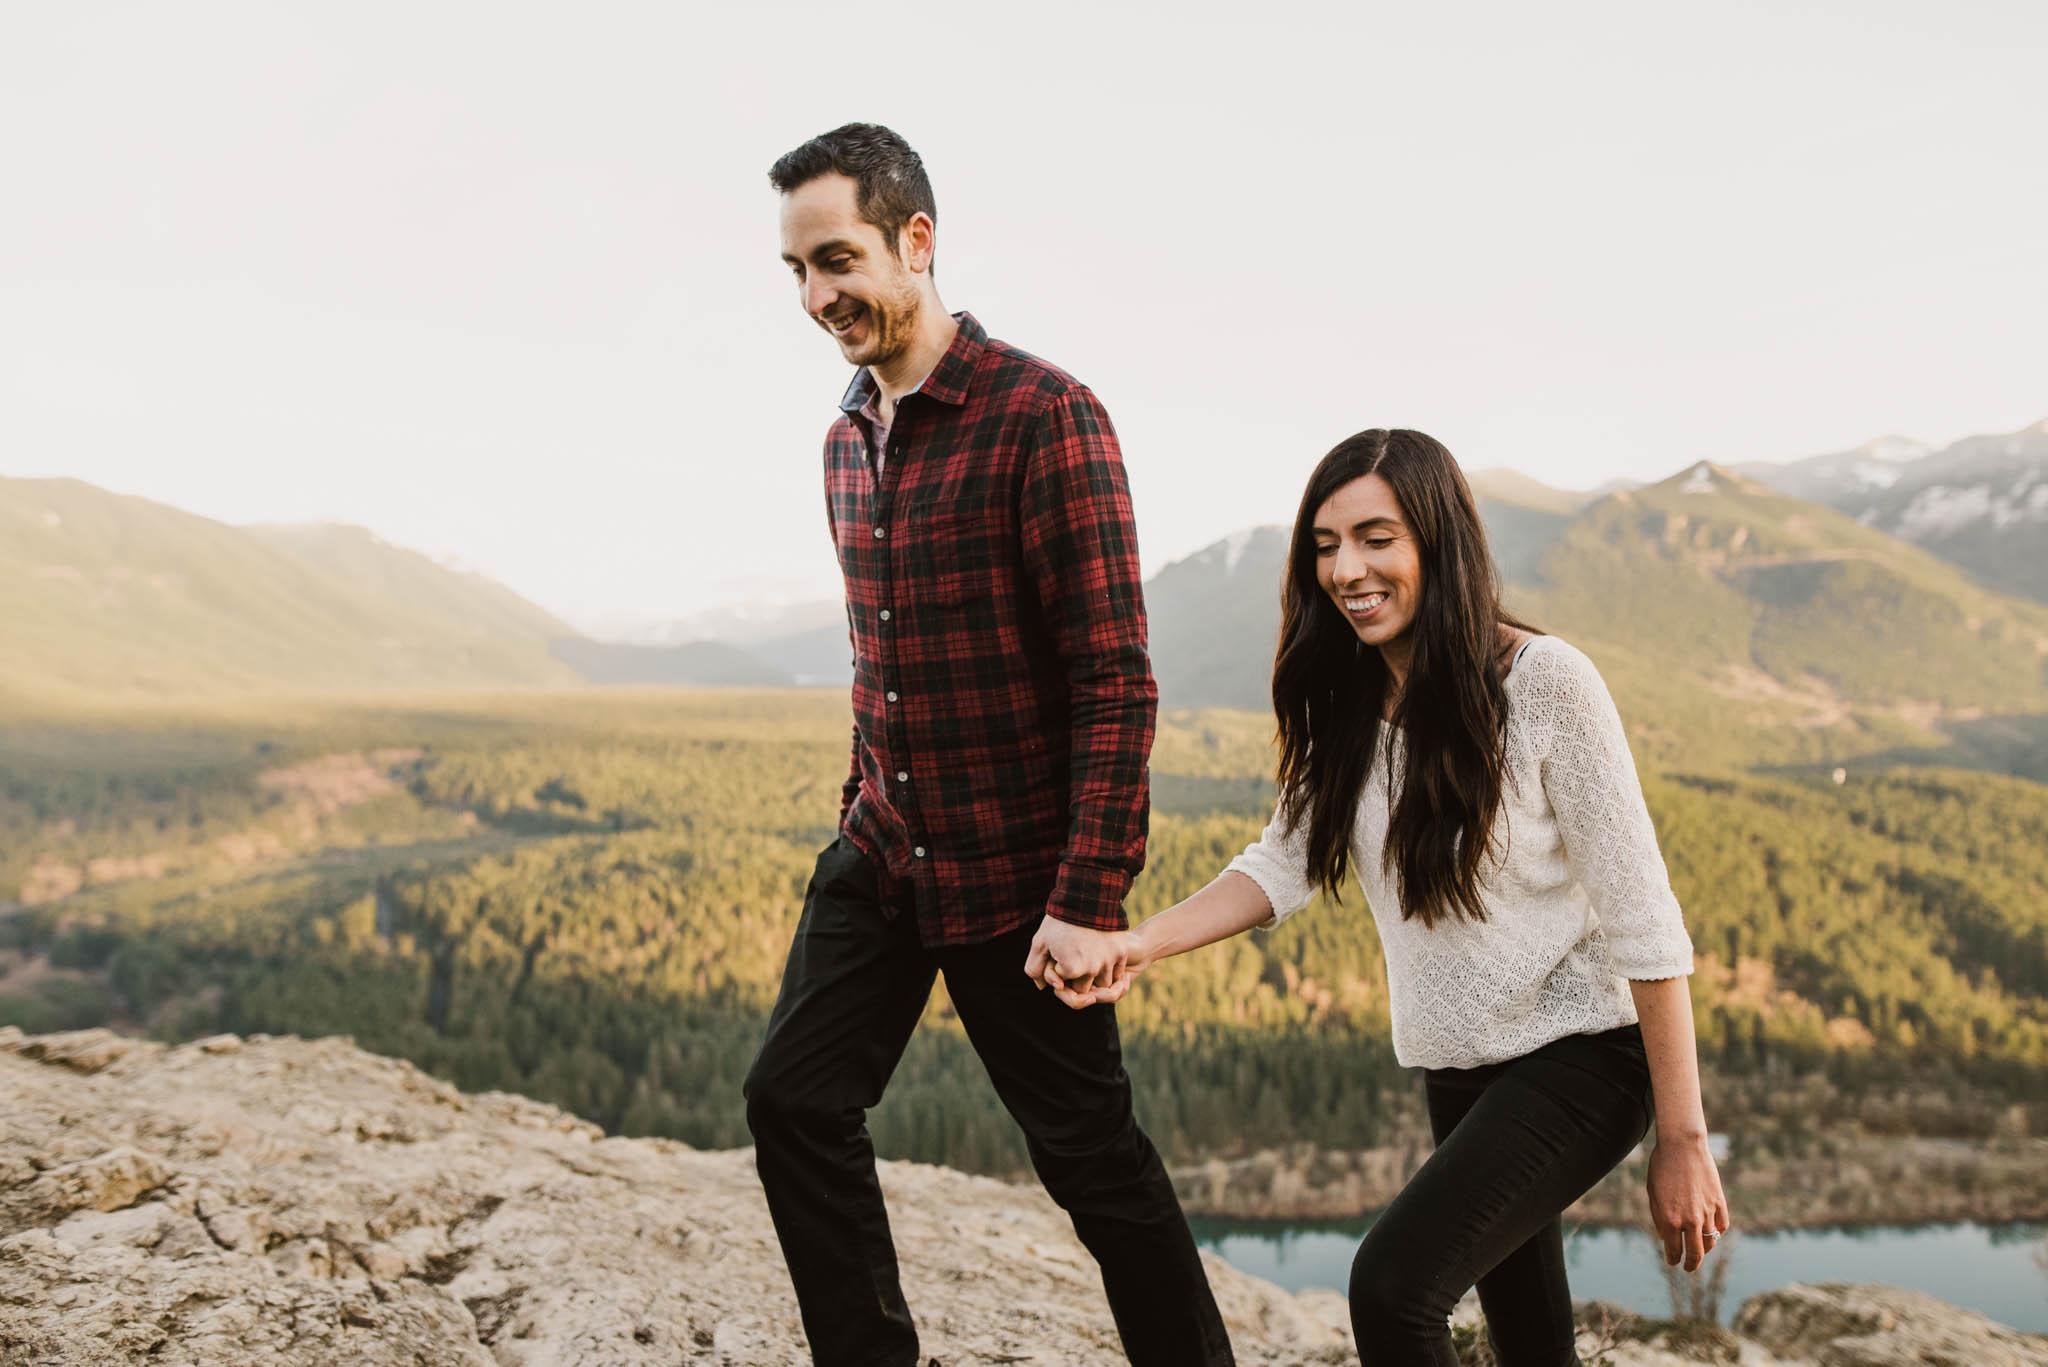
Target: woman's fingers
x=1079 y=997
x=1077 y=1000
x=1687 y=1204
x=1691 y=1241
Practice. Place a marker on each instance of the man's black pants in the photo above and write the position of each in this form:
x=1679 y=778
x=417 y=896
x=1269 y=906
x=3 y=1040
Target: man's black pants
x=856 y=983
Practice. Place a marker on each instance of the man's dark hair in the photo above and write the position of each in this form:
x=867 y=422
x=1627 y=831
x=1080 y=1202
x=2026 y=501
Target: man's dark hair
x=889 y=174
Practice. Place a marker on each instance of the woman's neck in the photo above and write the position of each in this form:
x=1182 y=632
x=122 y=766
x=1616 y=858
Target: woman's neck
x=1396 y=655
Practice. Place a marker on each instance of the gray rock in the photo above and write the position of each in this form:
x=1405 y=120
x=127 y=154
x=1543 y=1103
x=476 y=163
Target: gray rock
x=283 y=1201
x=287 y=1202
x=1838 y=1325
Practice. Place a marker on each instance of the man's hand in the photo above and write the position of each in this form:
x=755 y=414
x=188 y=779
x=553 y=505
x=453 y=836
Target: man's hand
x=1074 y=959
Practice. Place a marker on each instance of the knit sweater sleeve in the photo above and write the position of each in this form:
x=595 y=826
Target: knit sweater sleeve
x=1278 y=862
x=1609 y=842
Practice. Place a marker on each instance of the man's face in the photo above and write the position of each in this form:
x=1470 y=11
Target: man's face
x=850 y=278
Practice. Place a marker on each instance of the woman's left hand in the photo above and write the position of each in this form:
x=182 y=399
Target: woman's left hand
x=1133 y=958
x=1686 y=1202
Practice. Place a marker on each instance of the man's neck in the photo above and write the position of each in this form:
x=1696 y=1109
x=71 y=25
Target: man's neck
x=904 y=373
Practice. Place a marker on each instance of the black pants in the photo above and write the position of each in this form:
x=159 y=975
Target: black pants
x=853 y=990
x=1517 y=1142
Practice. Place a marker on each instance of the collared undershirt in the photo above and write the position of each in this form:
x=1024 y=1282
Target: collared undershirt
x=868 y=416
x=878 y=431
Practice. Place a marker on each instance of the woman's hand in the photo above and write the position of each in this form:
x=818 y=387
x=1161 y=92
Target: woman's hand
x=1686 y=1202
x=1136 y=958
x=1069 y=958
x=1092 y=967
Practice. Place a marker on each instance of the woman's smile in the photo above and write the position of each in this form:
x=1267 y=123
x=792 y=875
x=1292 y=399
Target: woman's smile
x=1360 y=607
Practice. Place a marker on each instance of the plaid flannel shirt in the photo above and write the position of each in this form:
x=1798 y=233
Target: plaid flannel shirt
x=1003 y=702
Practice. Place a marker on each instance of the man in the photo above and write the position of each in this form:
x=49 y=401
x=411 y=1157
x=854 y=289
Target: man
x=995 y=811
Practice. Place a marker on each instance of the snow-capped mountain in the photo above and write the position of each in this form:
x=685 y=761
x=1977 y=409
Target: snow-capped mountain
x=1841 y=475
x=1981 y=503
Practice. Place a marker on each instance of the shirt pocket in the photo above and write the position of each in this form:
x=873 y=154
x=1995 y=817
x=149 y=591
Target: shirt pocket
x=953 y=556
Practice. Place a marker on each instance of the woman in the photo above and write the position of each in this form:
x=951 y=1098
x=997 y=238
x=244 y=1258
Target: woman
x=1475 y=775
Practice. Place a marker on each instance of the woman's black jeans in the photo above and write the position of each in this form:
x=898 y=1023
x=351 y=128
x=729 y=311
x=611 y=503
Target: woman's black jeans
x=1517 y=1142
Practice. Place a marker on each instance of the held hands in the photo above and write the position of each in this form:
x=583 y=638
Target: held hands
x=1084 y=967
x=1686 y=1202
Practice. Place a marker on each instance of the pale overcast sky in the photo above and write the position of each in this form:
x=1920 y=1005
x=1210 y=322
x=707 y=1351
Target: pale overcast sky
x=499 y=281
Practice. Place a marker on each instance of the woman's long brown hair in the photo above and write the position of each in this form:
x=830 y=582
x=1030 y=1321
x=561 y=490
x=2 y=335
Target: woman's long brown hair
x=1330 y=688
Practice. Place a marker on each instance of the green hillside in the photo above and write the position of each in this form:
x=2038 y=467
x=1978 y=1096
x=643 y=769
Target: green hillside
x=1512 y=488
x=1715 y=574
x=109 y=594
x=1524 y=518
x=395 y=574
x=697 y=663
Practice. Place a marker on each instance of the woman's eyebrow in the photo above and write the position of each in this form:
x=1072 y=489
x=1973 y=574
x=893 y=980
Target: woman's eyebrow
x=1394 y=522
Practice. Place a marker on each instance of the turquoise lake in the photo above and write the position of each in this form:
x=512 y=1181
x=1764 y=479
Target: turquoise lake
x=1995 y=1269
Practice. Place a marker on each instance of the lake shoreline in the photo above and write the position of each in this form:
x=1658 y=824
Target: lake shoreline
x=1858 y=1181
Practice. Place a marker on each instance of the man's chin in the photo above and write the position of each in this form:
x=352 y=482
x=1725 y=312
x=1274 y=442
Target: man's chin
x=869 y=353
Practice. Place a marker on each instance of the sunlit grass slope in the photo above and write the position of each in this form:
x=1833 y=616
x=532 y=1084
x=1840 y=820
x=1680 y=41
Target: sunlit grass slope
x=109 y=594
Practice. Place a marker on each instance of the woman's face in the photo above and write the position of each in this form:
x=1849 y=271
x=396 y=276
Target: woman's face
x=1367 y=561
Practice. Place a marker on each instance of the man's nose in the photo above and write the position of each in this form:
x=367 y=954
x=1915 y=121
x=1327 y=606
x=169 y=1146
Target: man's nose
x=819 y=295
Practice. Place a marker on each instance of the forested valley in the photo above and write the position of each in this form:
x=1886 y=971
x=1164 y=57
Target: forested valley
x=587 y=897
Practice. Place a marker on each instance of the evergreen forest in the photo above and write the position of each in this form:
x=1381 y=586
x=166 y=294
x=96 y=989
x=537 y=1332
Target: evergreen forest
x=586 y=897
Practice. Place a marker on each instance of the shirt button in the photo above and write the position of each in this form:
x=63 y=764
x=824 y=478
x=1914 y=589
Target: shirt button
x=890 y=696
x=919 y=851
x=881 y=532
x=903 y=776
x=885 y=614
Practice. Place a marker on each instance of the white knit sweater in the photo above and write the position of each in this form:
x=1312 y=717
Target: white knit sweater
x=1577 y=899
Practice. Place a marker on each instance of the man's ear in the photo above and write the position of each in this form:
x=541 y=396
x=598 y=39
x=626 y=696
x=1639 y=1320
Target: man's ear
x=917 y=242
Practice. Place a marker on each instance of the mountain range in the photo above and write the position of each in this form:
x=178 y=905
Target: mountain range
x=1981 y=502
x=1893 y=575
x=107 y=594
x=1715 y=587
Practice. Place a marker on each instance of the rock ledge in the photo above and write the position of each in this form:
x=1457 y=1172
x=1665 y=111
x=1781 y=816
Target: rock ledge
x=287 y=1202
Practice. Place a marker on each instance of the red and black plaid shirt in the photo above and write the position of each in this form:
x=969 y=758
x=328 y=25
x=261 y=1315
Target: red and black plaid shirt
x=1003 y=702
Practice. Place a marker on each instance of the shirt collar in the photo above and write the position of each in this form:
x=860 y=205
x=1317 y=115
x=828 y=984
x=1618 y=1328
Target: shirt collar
x=948 y=381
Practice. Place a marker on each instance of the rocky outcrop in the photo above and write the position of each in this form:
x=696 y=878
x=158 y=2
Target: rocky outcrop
x=1882 y=1326
x=279 y=1201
